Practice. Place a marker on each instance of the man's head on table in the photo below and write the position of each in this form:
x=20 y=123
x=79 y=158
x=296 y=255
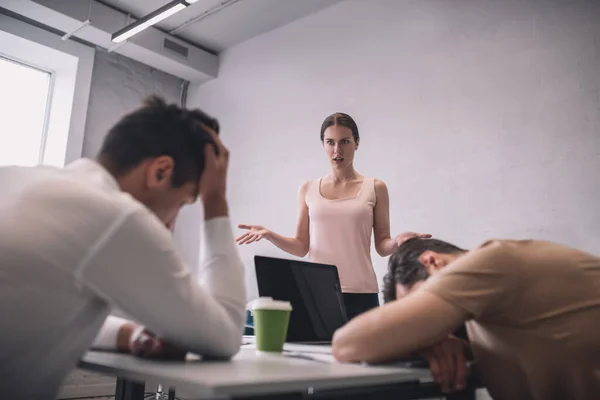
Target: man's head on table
x=157 y=154
x=522 y=326
x=414 y=262
x=374 y=336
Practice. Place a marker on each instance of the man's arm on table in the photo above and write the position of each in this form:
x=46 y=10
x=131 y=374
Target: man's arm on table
x=481 y=283
x=116 y=332
x=136 y=269
x=397 y=329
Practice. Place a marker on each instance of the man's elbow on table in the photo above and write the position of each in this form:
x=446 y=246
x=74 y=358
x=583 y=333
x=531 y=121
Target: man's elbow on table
x=347 y=348
x=229 y=348
x=223 y=348
x=227 y=339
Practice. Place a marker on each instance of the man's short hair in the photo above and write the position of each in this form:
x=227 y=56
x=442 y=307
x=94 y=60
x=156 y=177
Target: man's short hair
x=160 y=129
x=405 y=268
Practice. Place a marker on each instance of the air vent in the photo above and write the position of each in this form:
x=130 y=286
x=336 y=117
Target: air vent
x=175 y=48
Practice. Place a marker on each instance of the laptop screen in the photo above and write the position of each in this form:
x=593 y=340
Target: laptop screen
x=314 y=291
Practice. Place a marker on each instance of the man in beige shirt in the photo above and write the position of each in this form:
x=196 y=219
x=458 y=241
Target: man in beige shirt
x=532 y=311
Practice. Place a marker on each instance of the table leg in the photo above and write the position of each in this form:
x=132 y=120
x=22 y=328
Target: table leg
x=128 y=390
x=467 y=394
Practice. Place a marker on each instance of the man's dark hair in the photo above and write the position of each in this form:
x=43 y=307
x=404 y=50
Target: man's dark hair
x=340 y=119
x=405 y=268
x=159 y=129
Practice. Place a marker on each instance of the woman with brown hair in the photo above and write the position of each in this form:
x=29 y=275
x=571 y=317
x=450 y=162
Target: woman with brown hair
x=337 y=215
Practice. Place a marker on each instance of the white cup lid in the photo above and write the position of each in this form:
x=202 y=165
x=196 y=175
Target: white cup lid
x=267 y=303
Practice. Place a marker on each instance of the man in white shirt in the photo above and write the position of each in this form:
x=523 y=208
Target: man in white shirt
x=77 y=242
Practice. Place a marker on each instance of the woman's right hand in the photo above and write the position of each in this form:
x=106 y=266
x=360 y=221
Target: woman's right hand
x=254 y=234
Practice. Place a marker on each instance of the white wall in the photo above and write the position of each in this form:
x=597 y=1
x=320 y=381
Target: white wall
x=483 y=117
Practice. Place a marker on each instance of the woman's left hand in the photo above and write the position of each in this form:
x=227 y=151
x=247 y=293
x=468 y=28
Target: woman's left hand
x=403 y=237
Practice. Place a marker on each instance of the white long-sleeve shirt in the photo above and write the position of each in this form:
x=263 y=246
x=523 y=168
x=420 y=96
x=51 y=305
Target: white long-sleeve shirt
x=73 y=246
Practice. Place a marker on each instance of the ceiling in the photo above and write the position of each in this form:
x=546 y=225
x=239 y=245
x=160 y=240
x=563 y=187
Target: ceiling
x=219 y=24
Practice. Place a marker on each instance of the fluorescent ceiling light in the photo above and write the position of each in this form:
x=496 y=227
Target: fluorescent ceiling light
x=149 y=20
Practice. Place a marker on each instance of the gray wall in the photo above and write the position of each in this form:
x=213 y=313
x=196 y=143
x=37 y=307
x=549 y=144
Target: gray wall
x=483 y=117
x=119 y=85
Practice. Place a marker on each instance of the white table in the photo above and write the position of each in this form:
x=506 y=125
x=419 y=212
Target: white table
x=249 y=374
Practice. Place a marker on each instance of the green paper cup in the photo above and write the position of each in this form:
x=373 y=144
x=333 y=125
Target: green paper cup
x=271 y=319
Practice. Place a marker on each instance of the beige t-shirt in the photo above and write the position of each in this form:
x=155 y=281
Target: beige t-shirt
x=535 y=317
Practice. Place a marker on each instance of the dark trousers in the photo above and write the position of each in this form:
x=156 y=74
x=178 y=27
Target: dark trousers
x=358 y=303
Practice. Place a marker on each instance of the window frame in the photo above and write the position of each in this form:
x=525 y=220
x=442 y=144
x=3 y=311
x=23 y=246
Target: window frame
x=71 y=65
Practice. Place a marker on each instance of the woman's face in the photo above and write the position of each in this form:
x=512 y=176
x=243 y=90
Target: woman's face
x=339 y=145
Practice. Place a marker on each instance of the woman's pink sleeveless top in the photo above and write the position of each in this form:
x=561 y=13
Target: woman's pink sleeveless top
x=340 y=234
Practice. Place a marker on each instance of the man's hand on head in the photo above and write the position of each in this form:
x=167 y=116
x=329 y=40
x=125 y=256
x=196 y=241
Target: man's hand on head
x=213 y=183
x=143 y=343
x=448 y=363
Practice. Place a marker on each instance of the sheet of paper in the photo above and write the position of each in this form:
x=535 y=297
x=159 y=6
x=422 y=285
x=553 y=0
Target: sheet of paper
x=308 y=348
x=323 y=358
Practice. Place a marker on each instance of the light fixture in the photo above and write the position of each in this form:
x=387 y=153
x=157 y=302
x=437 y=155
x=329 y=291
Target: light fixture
x=154 y=17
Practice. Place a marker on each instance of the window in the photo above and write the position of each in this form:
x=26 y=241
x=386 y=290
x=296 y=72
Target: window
x=65 y=67
x=24 y=101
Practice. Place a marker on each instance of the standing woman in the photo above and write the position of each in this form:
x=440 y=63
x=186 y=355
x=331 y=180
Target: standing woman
x=336 y=216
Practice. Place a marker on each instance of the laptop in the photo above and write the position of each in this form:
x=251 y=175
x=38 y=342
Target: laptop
x=314 y=291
